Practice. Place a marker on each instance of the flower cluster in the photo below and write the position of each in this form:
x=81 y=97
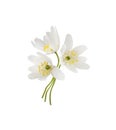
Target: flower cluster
x=70 y=57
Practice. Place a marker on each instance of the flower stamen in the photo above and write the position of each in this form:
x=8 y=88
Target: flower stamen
x=48 y=67
x=70 y=57
x=44 y=68
x=47 y=48
x=67 y=57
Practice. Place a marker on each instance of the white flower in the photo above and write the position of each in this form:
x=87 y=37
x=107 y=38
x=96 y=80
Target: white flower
x=50 y=42
x=71 y=57
x=43 y=67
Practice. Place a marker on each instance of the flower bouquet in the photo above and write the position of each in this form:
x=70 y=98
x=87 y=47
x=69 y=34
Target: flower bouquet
x=42 y=65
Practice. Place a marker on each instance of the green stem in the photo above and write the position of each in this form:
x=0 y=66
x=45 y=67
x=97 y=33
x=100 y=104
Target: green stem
x=58 y=64
x=50 y=86
x=47 y=87
x=51 y=92
x=51 y=83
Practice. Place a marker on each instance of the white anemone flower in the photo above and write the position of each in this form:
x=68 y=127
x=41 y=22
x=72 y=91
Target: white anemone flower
x=50 y=42
x=71 y=56
x=43 y=67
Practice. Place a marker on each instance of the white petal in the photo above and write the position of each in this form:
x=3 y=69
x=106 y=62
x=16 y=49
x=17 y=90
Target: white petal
x=35 y=59
x=38 y=44
x=44 y=57
x=68 y=42
x=33 y=69
x=40 y=58
x=51 y=40
x=71 y=68
x=55 y=35
x=82 y=59
x=46 y=39
x=82 y=65
x=57 y=73
x=33 y=75
x=63 y=49
x=80 y=49
x=36 y=76
x=49 y=37
x=39 y=41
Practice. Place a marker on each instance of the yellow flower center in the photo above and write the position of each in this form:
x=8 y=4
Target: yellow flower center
x=47 y=48
x=44 y=68
x=70 y=57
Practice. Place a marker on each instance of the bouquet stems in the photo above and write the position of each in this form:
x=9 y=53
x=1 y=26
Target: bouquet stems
x=50 y=85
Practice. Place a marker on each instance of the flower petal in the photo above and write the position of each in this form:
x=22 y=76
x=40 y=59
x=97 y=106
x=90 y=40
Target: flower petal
x=38 y=44
x=33 y=69
x=57 y=73
x=82 y=65
x=51 y=41
x=35 y=59
x=82 y=59
x=55 y=35
x=36 y=76
x=71 y=68
x=80 y=49
x=44 y=57
x=33 y=75
x=63 y=49
x=46 y=39
x=68 y=42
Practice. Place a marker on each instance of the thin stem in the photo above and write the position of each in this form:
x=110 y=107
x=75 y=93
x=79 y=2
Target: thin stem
x=51 y=92
x=50 y=86
x=58 y=64
x=47 y=87
x=51 y=83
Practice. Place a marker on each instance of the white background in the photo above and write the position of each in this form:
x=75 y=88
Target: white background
x=83 y=101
